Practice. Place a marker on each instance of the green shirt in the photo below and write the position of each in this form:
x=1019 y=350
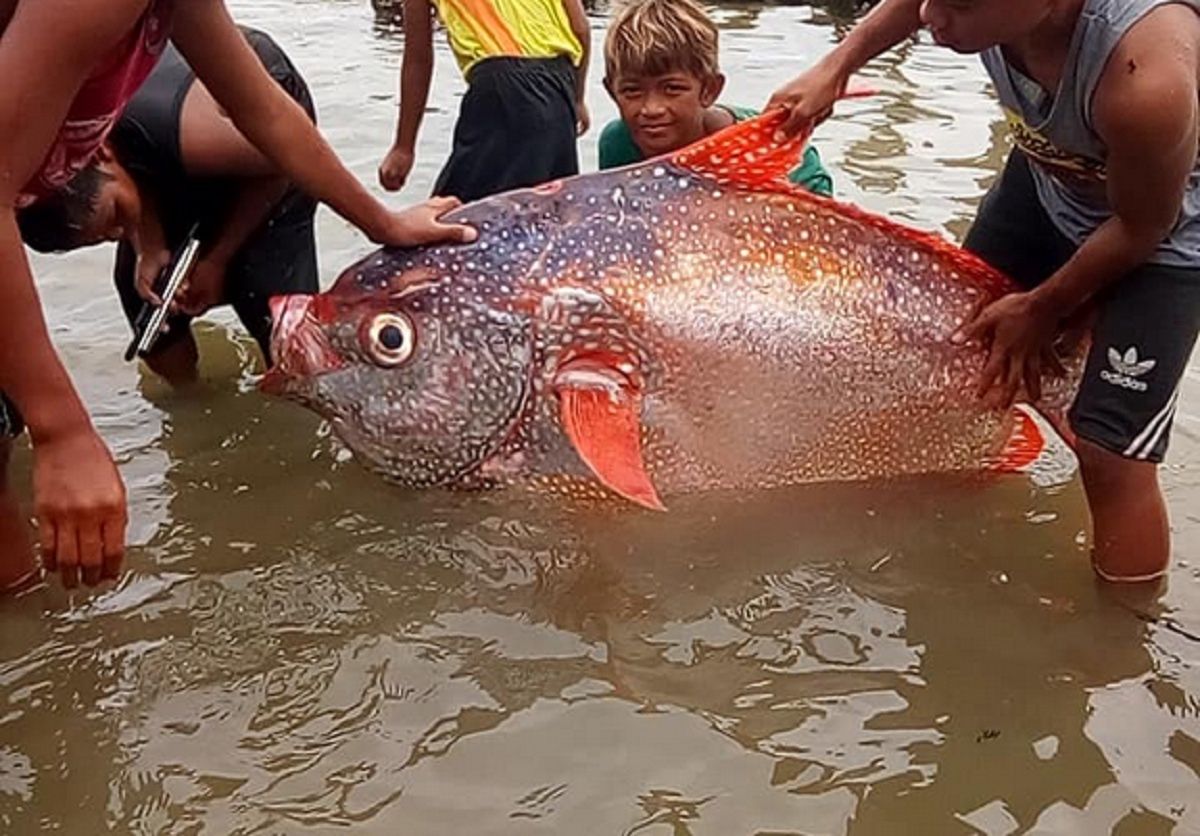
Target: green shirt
x=617 y=148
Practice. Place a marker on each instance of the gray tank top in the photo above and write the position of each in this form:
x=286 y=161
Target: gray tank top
x=1056 y=131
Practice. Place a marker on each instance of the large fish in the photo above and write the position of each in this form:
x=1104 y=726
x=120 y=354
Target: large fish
x=689 y=323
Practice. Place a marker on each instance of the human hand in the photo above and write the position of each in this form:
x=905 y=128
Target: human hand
x=422 y=224
x=150 y=264
x=395 y=168
x=808 y=98
x=80 y=502
x=1019 y=332
x=583 y=118
x=204 y=287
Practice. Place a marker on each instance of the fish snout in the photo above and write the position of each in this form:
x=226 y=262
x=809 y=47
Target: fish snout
x=299 y=347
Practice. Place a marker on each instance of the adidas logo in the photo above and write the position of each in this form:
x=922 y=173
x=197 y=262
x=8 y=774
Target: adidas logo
x=1126 y=369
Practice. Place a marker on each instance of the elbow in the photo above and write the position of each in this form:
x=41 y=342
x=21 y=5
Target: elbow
x=1144 y=235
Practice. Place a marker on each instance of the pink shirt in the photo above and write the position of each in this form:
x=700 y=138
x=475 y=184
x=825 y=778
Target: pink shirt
x=100 y=101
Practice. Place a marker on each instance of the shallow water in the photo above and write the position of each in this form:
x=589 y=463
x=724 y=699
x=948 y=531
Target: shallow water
x=299 y=649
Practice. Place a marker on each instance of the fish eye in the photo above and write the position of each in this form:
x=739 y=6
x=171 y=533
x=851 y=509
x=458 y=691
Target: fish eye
x=389 y=339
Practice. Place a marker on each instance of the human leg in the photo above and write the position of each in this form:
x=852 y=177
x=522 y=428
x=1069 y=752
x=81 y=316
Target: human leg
x=18 y=563
x=280 y=260
x=1141 y=343
x=175 y=356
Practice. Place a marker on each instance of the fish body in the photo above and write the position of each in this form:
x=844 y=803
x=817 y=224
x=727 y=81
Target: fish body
x=686 y=324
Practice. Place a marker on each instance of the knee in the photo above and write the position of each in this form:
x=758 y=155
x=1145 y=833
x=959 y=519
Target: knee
x=1105 y=471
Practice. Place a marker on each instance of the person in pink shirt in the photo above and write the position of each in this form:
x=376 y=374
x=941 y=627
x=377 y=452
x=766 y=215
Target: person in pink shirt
x=69 y=67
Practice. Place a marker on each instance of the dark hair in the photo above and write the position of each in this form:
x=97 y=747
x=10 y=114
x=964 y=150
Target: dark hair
x=55 y=223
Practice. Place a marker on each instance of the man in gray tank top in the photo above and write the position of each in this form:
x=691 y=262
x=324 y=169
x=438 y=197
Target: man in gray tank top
x=1097 y=213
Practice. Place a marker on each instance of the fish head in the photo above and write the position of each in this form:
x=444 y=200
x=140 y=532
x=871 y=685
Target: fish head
x=422 y=380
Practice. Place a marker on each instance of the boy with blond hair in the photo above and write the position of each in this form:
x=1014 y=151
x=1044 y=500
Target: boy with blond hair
x=662 y=70
x=525 y=62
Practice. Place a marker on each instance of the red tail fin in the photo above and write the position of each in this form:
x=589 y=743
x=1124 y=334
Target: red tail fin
x=1025 y=443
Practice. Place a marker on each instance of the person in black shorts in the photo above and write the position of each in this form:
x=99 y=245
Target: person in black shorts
x=1097 y=214
x=525 y=63
x=173 y=161
x=1142 y=335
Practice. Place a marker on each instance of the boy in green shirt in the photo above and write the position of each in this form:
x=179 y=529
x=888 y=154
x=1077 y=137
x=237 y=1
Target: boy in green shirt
x=662 y=71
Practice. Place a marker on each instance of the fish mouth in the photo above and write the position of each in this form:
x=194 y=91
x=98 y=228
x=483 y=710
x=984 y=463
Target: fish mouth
x=299 y=346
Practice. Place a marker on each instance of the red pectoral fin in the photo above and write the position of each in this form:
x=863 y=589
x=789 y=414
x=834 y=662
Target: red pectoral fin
x=601 y=413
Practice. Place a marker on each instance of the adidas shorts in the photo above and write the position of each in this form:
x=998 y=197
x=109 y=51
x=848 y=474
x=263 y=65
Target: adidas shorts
x=1144 y=333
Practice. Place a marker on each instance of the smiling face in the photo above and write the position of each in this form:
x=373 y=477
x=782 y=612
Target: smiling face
x=970 y=26
x=665 y=112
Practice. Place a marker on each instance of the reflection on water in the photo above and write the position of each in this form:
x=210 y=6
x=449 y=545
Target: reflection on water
x=300 y=649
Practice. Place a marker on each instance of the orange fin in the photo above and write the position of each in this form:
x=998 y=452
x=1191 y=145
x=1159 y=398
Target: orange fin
x=1025 y=444
x=746 y=154
x=601 y=412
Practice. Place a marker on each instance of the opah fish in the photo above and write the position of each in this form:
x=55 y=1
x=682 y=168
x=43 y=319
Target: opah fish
x=693 y=322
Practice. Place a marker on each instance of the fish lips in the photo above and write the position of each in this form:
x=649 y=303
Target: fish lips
x=299 y=346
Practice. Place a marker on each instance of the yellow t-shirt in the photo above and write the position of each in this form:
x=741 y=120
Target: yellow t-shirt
x=481 y=29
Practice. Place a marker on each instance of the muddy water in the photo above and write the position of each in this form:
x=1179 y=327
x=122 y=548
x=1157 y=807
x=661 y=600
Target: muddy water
x=299 y=649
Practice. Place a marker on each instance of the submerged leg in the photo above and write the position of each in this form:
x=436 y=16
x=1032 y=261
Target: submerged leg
x=1132 y=538
x=17 y=560
x=178 y=361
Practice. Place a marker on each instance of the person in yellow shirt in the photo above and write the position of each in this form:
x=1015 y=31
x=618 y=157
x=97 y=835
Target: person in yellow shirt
x=525 y=62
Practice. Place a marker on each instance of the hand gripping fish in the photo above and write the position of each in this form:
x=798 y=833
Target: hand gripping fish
x=690 y=323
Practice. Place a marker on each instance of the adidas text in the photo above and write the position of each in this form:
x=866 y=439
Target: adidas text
x=1123 y=381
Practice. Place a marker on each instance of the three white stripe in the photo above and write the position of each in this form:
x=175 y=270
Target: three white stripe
x=1148 y=439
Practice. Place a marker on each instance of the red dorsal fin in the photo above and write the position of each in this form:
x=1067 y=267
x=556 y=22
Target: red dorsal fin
x=747 y=154
x=601 y=413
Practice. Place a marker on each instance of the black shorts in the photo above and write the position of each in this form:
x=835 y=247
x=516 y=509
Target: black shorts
x=11 y=424
x=1144 y=332
x=516 y=128
x=280 y=259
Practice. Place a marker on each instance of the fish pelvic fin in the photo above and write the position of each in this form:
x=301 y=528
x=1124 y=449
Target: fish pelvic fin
x=601 y=414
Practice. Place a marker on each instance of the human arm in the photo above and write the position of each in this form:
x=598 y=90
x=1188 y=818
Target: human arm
x=47 y=52
x=811 y=95
x=253 y=204
x=276 y=125
x=582 y=29
x=1145 y=111
x=416 y=72
x=210 y=146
